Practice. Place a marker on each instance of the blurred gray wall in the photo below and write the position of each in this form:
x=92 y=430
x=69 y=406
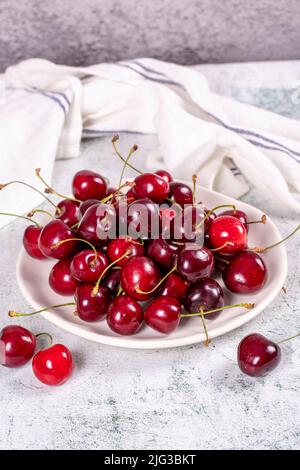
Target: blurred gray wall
x=185 y=31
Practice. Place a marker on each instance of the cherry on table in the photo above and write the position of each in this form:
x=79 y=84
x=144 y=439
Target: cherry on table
x=193 y=264
x=17 y=346
x=227 y=234
x=245 y=274
x=91 y=307
x=124 y=315
x=163 y=314
x=68 y=212
x=52 y=234
x=88 y=265
x=53 y=366
x=31 y=241
x=87 y=184
x=181 y=193
x=174 y=287
x=152 y=186
x=258 y=355
x=238 y=214
x=61 y=279
x=118 y=247
x=138 y=276
x=206 y=294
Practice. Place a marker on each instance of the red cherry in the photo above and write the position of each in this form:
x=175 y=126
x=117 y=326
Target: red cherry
x=130 y=195
x=193 y=264
x=181 y=193
x=206 y=294
x=112 y=281
x=174 y=286
x=143 y=219
x=30 y=241
x=96 y=222
x=163 y=314
x=53 y=233
x=88 y=185
x=118 y=247
x=90 y=307
x=86 y=267
x=165 y=175
x=240 y=215
x=17 y=346
x=68 y=212
x=257 y=355
x=228 y=232
x=53 y=366
x=184 y=225
x=152 y=186
x=245 y=274
x=139 y=274
x=162 y=252
x=61 y=280
x=85 y=205
x=125 y=315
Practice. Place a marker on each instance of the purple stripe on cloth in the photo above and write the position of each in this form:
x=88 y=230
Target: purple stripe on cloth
x=268 y=147
x=43 y=93
x=152 y=79
x=95 y=132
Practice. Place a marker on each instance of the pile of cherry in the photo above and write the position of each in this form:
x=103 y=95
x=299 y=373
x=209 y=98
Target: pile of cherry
x=110 y=278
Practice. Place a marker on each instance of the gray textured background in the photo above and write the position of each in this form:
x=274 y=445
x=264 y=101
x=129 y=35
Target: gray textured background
x=79 y=32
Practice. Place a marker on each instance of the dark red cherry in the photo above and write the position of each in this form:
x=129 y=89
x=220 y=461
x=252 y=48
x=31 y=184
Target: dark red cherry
x=86 y=267
x=68 y=212
x=174 y=286
x=210 y=216
x=227 y=232
x=143 y=219
x=112 y=281
x=245 y=274
x=96 y=223
x=53 y=366
x=85 y=205
x=124 y=315
x=206 y=294
x=118 y=247
x=17 y=346
x=240 y=215
x=139 y=274
x=92 y=308
x=152 y=186
x=31 y=240
x=257 y=355
x=130 y=195
x=193 y=264
x=163 y=314
x=181 y=193
x=53 y=233
x=88 y=185
x=162 y=252
x=61 y=280
x=165 y=175
x=184 y=225
x=221 y=261
x=166 y=217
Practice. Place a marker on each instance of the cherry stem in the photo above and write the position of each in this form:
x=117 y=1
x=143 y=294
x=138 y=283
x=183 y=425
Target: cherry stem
x=222 y=259
x=45 y=334
x=131 y=152
x=50 y=190
x=56 y=245
x=31 y=187
x=42 y=211
x=288 y=339
x=13 y=313
x=220 y=247
x=96 y=288
x=248 y=306
x=118 y=192
x=158 y=284
x=194 y=180
x=21 y=217
x=211 y=211
x=263 y=250
x=207 y=340
x=120 y=290
x=114 y=140
x=263 y=220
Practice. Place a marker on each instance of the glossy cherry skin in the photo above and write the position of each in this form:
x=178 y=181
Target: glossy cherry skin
x=257 y=355
x=206 y=294
x=193 y=264
x=246 y=274
x=181 y=193
x=17 y=346
x=92 y=308
x=112 y=281
x=130 y=195
x=163 y=314
x=162 y=252
x=144 y=218
x=185 y=224
x=118 y=247
x=85 y=267
x=53 y=366
x=31 y=241
x=229 y=230
x=152 y=186
x=61 y=280
x=54 y=232
x=165 y=175
x=68 y=212
x=85 y=205
x=125 y=315
x=92 y=226
x=139 y=272
x=88 y=185
x=241 y=215
x=174 y=287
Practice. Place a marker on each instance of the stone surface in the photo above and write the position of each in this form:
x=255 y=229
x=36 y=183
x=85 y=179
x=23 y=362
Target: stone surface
x=185 y=398
x=187 y=32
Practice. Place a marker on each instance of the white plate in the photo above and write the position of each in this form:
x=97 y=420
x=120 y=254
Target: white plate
x=32 y=276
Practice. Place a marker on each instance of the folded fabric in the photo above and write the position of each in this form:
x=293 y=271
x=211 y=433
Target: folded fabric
x=46 y=109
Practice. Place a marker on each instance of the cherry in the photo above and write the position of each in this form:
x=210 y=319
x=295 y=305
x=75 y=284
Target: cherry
x=222 y=261
x=205 y=295
x=68 y=212
x=53 y=366
x=118 y=247
x=61 y=280
x=245 y=274
x=17 y=346
x=96 y=222
x=112 y=281
x=193 y=264
x=143 y=218
x=53 y=233
x=88 y=265
x=174 y=286
x=110 y=191
x=30 y=241
x=227 y=234
x=181 y=193
x=183 y=227
x=125 y=315
x=152 y=186
x=165 y=175
x=162 y=252
x=163 y=314
x=139 y=275
x=238 y=214
x=88 y=185
x=90 y=307
x=257 y=355
x=85 y=205
x=130 y=196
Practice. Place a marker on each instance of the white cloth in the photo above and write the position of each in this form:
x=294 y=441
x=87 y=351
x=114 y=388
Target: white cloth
x=46 y=109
